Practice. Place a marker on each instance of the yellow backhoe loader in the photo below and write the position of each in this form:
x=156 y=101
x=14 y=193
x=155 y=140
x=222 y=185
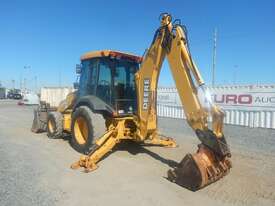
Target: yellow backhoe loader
x=116 y=100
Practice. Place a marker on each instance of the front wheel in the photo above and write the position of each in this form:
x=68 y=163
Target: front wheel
x=55 y=125
x=86 y=127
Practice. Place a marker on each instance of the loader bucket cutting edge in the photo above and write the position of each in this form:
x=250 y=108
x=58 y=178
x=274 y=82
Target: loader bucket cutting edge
x=199 y=170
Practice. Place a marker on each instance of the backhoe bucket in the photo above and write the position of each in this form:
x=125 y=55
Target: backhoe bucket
x=198 y=170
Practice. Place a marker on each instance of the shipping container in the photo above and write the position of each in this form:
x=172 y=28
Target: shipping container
x=54 y=95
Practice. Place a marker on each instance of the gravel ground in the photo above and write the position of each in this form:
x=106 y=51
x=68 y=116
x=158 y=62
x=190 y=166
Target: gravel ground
x=35 y=170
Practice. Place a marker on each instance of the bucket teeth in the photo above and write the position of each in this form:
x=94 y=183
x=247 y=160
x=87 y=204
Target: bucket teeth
x=196 y=171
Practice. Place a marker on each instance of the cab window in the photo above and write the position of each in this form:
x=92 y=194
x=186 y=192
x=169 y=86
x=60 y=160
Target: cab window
x=104 y=82
x=88 y=79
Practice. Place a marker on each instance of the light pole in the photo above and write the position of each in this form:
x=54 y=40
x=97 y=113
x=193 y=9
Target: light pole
x=13 y=83
x=214 y=57
x=235 y=74
x=35 y=84
x=27 y=67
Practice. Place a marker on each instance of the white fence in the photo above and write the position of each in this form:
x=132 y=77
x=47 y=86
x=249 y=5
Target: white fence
x=251 y=106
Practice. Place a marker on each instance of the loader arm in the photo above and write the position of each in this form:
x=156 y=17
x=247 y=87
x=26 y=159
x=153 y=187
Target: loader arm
x=170 y=41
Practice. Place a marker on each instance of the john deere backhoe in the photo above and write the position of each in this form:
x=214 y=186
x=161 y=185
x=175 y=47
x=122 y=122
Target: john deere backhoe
x=116 y=100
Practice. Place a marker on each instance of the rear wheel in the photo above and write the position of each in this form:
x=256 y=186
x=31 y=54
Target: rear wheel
x=86 y=127
x=55 y=125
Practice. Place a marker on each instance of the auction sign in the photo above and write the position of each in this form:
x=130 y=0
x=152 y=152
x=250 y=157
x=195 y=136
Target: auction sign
x=249 y=97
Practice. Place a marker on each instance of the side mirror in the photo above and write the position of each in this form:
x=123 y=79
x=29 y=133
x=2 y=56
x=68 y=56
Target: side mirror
x=76 y=85
x=78 y=69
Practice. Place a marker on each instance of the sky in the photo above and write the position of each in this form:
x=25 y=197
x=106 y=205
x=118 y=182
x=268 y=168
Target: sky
x=45 y=39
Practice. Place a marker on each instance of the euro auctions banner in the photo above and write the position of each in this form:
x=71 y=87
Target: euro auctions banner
x=255 y=99
x=255 y=96
x=259 y=97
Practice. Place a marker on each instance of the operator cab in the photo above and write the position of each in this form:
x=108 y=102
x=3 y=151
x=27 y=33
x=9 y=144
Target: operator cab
x=110 y=76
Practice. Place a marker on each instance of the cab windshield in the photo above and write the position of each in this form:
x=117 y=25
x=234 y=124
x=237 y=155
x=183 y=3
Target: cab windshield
x=111 y=80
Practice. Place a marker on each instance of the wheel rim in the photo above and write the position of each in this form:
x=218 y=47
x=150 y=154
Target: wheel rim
x=81 y=130
x=50 y=126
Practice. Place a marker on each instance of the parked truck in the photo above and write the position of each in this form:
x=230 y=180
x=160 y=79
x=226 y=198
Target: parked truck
x=14 y=94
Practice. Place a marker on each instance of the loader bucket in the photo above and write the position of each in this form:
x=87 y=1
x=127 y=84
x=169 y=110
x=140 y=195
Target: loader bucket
x=198 y=170
x=39 y=121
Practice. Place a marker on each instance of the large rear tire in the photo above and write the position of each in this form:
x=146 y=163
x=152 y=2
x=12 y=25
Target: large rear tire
x=54 y=125
x=86 y=127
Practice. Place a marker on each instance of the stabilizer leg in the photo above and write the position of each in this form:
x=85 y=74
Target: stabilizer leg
x=160 y=140
x=103 y=145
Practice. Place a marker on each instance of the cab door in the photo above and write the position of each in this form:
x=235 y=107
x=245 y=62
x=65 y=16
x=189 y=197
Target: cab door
x=104 y=83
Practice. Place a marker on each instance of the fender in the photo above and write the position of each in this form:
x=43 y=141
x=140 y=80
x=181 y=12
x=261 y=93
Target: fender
x=94 y=103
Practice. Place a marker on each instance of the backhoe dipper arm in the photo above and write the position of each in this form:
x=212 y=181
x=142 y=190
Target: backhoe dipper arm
x=183 y=68
x=171 y=41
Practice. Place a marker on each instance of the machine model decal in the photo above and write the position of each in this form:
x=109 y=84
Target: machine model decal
x=146 y=91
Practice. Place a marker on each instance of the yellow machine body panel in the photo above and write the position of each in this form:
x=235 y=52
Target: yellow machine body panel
x=67 y=117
